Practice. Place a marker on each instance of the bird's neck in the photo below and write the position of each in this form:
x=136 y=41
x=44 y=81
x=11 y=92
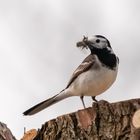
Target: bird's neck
x=107 y=57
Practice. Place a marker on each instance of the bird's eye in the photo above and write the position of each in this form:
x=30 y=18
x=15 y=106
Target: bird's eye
x=98 y=41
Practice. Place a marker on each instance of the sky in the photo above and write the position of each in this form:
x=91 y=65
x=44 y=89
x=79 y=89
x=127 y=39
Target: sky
x=38 y=53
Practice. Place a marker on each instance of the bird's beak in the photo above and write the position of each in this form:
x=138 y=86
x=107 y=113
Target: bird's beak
x=85 y=43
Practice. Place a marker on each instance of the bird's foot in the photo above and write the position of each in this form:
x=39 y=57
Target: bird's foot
x=82 y=99
x=94 y=98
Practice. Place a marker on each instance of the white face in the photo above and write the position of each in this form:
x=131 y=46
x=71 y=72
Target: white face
x=99 y=42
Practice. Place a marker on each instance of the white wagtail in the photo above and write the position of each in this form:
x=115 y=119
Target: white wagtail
x=94 y=75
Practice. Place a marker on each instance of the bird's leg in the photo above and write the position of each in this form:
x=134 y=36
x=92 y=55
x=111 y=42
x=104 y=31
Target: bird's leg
x=94 y=98
x=83 y=101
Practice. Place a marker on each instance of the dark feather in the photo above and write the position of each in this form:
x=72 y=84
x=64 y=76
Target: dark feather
x=85 y=65
x=40 y=106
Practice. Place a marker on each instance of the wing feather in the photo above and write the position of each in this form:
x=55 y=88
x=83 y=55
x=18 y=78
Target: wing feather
x=83 y=67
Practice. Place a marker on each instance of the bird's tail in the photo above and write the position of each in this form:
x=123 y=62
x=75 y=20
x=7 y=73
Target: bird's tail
x=39 y=107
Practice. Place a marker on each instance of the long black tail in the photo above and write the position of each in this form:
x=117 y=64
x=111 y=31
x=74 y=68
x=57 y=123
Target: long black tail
x=39 y=107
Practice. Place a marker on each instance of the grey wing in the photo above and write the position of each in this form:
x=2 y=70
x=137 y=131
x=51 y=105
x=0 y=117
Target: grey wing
x=84 y=66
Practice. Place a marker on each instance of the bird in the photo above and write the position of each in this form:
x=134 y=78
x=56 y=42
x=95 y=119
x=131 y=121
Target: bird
x=93 y=76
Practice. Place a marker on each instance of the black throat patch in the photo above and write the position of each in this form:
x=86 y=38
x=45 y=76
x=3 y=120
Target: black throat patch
x=106 y=57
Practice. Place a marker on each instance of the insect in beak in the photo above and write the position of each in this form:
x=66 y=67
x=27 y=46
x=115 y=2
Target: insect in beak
x=83 y=44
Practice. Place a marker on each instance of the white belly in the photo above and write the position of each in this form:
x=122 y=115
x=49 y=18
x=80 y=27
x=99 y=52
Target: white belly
x=92 y=83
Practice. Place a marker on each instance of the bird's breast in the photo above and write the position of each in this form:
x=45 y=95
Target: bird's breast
x=94 y=81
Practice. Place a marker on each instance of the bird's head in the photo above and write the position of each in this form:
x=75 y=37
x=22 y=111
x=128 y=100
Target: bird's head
x=94 y=43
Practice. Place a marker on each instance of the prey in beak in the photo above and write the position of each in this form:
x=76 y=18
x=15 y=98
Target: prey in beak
x=83 y=44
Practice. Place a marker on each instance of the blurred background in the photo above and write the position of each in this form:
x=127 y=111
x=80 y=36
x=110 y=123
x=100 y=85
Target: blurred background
x=38 y=53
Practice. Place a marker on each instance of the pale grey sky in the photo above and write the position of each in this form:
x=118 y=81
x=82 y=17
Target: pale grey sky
x=38 y=53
